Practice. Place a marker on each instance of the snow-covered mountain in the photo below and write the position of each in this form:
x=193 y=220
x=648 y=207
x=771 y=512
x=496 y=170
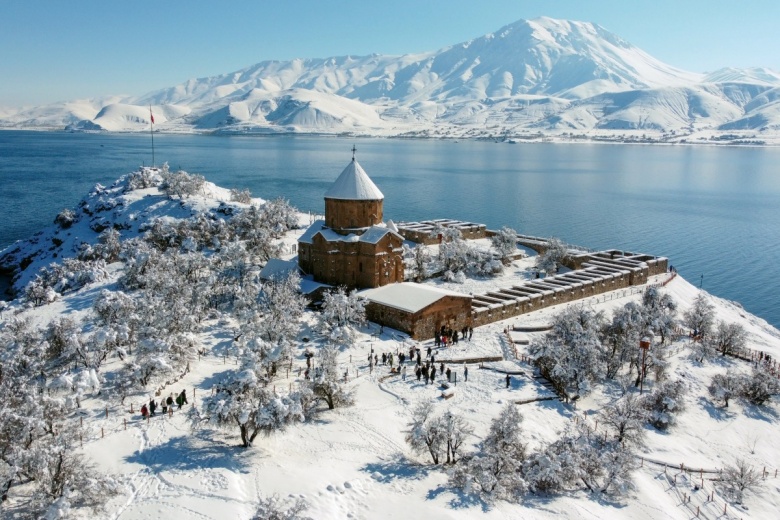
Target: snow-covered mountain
x=541 y=75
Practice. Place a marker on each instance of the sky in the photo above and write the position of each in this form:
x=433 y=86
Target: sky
x=63 y=50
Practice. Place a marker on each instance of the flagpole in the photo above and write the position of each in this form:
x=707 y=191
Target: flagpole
x=151 y=131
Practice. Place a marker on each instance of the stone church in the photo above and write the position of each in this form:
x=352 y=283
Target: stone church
x=352 y=247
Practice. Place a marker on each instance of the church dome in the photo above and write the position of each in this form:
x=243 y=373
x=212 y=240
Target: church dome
x=354 y=184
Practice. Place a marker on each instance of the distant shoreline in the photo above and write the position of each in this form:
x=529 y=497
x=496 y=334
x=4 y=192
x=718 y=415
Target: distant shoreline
x=770 y=141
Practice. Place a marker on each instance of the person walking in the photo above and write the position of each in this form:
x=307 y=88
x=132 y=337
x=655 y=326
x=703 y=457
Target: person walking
x=169 y=402
x=152 y=406
x=418 y=372
x=403 y=372
x=144 y=411
x=449 y=375
x=508 y=380
x=433 y=373
x=466 y=372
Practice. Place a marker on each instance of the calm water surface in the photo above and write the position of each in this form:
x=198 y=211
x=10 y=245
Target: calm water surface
x=713 y=211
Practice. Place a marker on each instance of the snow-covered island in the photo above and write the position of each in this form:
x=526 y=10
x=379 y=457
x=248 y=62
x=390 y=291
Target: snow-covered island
x=529 y=81
x=654 y=401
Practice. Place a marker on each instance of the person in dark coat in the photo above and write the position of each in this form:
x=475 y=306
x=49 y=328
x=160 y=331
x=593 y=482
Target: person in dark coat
x=433 y=373
x=508 y=380
x=466 y=372
x=181 y=399
x=384 y=358
x=144 y=411
x=152 y=406
x=449 y=375
x=426 y=375
x=418 y=372
x=429 y=350
x=169 y=402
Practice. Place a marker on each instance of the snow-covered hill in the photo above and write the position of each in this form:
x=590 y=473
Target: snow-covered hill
x=543 y=75
x=73 y=435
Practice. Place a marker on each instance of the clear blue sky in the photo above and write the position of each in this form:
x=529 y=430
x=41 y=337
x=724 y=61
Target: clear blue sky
x=59 y=50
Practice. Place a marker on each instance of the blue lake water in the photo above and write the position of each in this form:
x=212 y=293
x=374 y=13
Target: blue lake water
x=714 y=211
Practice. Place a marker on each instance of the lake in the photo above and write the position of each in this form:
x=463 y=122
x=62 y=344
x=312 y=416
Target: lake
x=714 y=211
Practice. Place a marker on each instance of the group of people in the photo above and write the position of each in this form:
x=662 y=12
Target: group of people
x=166 y=404
x=446 y=336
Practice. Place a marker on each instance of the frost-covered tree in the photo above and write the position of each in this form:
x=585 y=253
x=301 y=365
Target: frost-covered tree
x=242 y=401
x=421 y=257
x=456 y=430
x=664 y=403
x=63 y=338
x=700 y=317
x=342 y=314
x=505 y=244
x=571 y=355
x=552 y=257
x=759 y=386
x=585 y=457
x=724 y=387
x=626 y=418
x=495 y=471
x=426 y=432
x=328 y=382
x=729 y=338
x=453 y=251
x=659 y=312
x=740 y=478
x=278 y=216
x=621 y=339
x=279 y=309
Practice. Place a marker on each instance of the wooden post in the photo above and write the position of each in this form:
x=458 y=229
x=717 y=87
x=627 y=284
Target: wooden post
x=81 y=421
x=106 y=412
x=697 y=511
x=125 y=421
x=102 y=434
x=724 y=508
x=81 y=441
x=131 y=408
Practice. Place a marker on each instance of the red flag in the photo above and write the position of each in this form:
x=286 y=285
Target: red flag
x=151 y=115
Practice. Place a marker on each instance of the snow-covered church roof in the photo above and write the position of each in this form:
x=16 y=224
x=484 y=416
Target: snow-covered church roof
x=354 y=184
x=407 y=296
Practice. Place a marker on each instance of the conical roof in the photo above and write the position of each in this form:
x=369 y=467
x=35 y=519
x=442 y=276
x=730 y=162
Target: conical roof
x=354 y=184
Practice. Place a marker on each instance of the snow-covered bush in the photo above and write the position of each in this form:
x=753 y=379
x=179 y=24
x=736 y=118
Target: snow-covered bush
x=505 y=244
x=38 y=293
x=664 y=403
x=495 y=471
x=181 y=184
x=65 y=218
x=274 y=508
x=241 y=196
x=552 y=257
x=144 y=178
x=759 y=386
x=72 y=274
x=724 y=387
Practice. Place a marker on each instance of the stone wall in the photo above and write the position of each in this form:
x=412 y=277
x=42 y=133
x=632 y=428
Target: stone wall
x=421 y=232
x=451 y=311
x=343 y=215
